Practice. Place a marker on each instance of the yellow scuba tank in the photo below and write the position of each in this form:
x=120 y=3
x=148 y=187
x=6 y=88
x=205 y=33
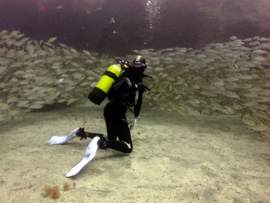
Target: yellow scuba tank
x=100 y=91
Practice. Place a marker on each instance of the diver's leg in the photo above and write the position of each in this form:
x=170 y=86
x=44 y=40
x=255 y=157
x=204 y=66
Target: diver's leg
x=125 y=143
x=125 y=137
x=117 y=126
x=110 y=114
x=84 y=135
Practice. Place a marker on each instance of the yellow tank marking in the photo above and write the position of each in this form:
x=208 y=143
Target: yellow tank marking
x=106 y=82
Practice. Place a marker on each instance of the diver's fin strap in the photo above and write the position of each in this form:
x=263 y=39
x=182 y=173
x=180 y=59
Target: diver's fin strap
x=110 y=74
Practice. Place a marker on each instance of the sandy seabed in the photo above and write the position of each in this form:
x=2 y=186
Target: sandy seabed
x=176 y=158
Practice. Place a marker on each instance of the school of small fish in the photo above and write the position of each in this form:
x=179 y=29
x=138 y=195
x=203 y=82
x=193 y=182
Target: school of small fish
x=230 y=78
x=40 y=74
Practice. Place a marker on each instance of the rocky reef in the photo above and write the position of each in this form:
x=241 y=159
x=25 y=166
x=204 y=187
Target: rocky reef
x=230 y=78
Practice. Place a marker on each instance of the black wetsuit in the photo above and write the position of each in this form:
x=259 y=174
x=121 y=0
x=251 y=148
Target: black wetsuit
x=126 y=93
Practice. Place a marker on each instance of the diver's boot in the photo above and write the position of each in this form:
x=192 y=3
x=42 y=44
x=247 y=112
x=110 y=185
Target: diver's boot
x=102 y=143
x=81 y=133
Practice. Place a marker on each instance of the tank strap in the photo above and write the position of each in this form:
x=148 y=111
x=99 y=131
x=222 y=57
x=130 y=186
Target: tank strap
x=112 y=75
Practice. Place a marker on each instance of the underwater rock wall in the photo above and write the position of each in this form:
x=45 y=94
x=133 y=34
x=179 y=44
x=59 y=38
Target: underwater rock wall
x=229 y=78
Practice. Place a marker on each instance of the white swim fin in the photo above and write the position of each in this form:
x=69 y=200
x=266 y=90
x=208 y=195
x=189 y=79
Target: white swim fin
x=89 y=154
x=64 y=138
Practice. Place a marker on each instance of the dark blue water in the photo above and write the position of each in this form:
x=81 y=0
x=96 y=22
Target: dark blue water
x=118 y=26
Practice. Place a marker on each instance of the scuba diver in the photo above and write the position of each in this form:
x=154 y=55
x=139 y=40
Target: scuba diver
x=122 y=84
x=126 y=93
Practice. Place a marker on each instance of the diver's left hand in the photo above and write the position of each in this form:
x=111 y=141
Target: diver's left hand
x=133 y=123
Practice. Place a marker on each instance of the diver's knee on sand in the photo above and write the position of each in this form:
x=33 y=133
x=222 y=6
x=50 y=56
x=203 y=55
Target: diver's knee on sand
x=121 y=146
